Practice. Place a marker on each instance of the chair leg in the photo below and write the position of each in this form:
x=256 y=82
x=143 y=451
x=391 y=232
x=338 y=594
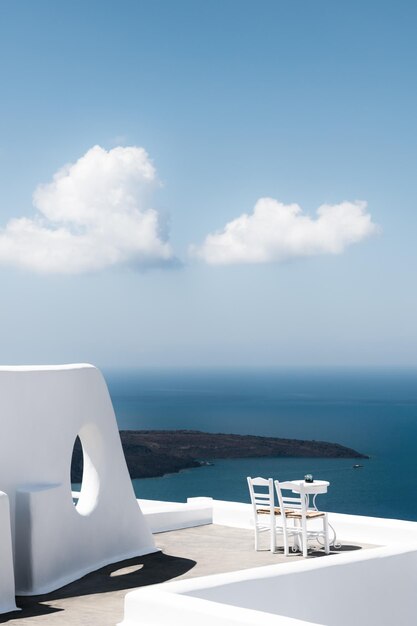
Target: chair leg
x=285 y=540
x=273 y=542
x=326 y=534
x=273 y=537
x=298 y=537
x=304 y=534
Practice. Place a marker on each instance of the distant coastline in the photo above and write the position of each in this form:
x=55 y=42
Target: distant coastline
x=152 y=453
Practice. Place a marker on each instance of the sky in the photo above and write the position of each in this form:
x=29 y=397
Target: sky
x=224 y=183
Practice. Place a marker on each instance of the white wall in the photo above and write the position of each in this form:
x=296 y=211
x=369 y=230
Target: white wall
x=375 y=589
x=355 y=528
x=7 y=601
x=43 y=410
x=149 y=607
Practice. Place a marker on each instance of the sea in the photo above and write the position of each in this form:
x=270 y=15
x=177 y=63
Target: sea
x=373 y=411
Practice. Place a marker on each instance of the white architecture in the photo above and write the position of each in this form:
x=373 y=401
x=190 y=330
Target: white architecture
x=7 y=602
x=46 y=541
x=43 y=409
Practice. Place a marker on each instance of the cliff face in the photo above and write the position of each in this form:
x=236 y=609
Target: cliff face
x=156 y=452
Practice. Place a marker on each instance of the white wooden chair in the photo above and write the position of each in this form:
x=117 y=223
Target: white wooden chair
x=296 y=509
x=266 y=516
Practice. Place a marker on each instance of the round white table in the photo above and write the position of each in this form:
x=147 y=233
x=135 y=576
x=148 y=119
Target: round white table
x=314 y=489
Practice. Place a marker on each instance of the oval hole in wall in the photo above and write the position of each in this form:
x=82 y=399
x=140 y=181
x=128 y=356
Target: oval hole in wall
x=77 y=467
x=84 y=474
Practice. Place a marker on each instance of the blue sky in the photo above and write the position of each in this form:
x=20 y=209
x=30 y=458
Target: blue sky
x=307 y=103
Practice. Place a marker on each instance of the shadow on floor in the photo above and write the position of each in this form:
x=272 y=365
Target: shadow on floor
x=333 y=550
x=345 y=548
x=319 y=552
x=149 y=569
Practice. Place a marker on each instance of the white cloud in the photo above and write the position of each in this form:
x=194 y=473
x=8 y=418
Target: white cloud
x=94 y=214
x=276 y=231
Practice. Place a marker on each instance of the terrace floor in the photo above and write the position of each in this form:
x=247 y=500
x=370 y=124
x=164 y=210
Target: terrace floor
x=97 y=599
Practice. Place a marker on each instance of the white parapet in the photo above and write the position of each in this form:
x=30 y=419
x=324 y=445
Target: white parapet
x=7 y=601
x=355 y=528
x=371 y=587
x=155 y=607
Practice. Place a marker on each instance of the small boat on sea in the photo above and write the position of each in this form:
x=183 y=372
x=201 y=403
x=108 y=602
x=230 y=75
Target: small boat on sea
x=357 y=466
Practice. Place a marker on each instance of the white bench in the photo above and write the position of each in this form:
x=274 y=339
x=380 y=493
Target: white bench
x=165 y=516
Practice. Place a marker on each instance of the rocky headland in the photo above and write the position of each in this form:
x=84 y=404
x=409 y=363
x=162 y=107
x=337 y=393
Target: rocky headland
x=151 y=453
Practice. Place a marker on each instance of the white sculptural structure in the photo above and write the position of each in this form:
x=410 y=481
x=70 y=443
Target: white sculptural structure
x=43 y=409
x=7 y=602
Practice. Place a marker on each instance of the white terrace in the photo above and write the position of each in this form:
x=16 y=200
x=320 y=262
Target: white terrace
x=186 y=563
x=370 y=580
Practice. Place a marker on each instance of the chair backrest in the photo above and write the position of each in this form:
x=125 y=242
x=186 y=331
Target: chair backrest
x=288 y=499
x=262 y=494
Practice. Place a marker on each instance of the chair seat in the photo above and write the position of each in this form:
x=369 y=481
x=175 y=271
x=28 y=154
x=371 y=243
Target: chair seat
x=309 y=514
x=291 y=513
x=277 y=511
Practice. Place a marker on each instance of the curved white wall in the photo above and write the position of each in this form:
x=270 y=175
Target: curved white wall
x=43 y=410
x=7 y=601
